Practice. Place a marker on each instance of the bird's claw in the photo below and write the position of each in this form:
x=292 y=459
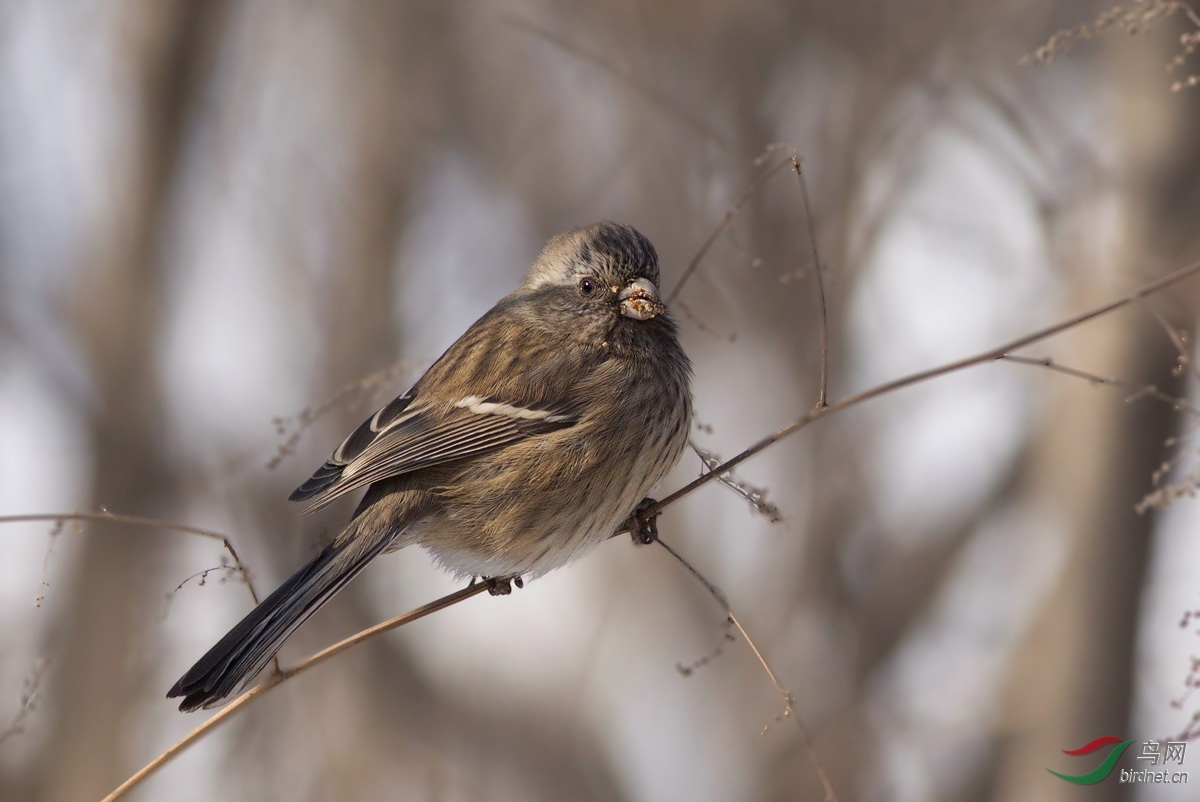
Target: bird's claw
x=643 y=532
x=502 y=585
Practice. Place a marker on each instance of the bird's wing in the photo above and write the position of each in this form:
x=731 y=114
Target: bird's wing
x=409 y=434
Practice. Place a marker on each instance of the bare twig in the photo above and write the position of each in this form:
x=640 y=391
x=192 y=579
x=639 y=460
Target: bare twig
x=686 y=670
x=916 y=378
x=55 y=531
x=1134 y=17
x=187 y=740
x=1136 y=391
x=278 y=678
x=140 y=520
x=823 y=320
x=202 y=576
x=701 y=578
x=1177 y=339
x=789 y=704
x=27 y=702
x=1162 y=495
x=809 y=747
x=724 y=222
x=756 y=497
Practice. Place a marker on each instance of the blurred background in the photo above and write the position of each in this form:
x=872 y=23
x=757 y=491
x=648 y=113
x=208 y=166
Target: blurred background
x=231 y=230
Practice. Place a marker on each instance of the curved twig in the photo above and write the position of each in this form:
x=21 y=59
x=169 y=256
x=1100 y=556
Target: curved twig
x=139 y=520
x=278 y=678
x=724 y=222
x=788 y=701
x=823 y=320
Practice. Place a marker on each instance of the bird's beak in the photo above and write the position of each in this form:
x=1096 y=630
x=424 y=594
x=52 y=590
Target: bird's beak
x=639 y=300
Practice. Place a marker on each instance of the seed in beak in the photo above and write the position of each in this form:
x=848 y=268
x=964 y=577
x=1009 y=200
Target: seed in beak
x=639 y=300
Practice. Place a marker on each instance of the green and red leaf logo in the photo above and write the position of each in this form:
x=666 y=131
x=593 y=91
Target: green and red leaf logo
x=1104 y=769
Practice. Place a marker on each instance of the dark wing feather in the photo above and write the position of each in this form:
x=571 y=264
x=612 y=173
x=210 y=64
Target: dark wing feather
x=407 y=436
x=331 y=472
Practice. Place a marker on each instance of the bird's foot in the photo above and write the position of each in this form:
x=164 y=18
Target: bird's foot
x=643 y=532
x=502 y=585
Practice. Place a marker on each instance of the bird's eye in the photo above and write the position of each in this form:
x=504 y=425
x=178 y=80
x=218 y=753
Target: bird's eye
x=587 y=286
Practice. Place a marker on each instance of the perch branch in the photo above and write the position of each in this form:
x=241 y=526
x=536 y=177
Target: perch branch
x=276 y=679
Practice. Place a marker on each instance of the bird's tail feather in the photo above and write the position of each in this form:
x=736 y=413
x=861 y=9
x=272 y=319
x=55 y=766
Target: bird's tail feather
x=248 y=647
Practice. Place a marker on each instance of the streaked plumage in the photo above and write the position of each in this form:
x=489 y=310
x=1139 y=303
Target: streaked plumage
x=529 y=442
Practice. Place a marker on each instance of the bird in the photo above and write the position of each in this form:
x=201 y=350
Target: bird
x=535 y=437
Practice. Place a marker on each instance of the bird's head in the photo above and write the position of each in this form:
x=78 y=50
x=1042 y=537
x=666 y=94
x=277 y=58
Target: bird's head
x=604 y=271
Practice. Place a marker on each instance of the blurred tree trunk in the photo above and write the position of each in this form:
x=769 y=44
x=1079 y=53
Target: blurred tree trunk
x=1074 y=680
x=112 y=595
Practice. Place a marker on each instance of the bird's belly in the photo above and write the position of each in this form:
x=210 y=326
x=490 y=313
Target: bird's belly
x=530 y=523
x=516 y=541
x=556 y=547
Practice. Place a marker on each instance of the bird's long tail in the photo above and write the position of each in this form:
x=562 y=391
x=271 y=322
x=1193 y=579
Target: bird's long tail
x=250 y=645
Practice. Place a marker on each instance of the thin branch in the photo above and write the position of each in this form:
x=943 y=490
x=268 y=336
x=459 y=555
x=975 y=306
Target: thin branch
x=789 y=705
x=1162 y=495
x=1050 y=364
x=724 y=222
x=1136 y=391
x=139 y=520
x=830 y=794
x=916 y=378
x=210 y=724
x=281 y=677
x=823 y=320
x=1132 y=18
x=27 y=702
x=756 y=497
x=55 y=532
x=701 y=578
x=1177 y=339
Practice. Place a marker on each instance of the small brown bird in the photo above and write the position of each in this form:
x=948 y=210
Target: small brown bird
x=527 y=444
